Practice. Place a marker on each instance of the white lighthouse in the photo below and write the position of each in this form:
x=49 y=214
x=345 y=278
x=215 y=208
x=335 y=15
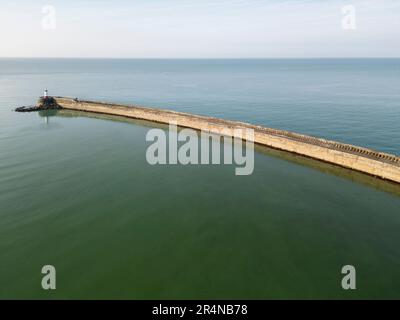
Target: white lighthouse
x=45 y=94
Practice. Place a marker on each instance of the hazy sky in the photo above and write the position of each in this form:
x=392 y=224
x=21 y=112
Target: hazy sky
x=198 y=28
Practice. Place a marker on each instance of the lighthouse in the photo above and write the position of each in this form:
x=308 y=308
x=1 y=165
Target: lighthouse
x=45 y=94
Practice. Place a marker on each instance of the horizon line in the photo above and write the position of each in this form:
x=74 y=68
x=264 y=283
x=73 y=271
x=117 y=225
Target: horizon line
x=204 y=58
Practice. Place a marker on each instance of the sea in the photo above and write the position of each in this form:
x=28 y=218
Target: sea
x=77 y=193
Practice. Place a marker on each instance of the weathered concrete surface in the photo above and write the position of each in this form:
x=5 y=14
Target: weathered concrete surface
x=375 y=163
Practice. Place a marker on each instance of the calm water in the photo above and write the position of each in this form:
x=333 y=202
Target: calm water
x=76 y=191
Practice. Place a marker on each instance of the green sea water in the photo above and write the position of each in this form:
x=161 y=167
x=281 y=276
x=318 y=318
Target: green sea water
x=76 y=191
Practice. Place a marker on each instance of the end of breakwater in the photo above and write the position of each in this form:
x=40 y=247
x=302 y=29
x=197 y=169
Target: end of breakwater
x=44 y=103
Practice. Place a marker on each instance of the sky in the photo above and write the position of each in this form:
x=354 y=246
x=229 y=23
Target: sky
x=200 y=28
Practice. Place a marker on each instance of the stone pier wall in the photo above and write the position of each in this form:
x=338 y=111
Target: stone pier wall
x=375 y=163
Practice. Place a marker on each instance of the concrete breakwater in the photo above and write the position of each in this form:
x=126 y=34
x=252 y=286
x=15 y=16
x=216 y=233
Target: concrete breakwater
x=368 y=161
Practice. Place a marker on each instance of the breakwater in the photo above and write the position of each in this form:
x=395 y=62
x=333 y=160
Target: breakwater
x=368 y=161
